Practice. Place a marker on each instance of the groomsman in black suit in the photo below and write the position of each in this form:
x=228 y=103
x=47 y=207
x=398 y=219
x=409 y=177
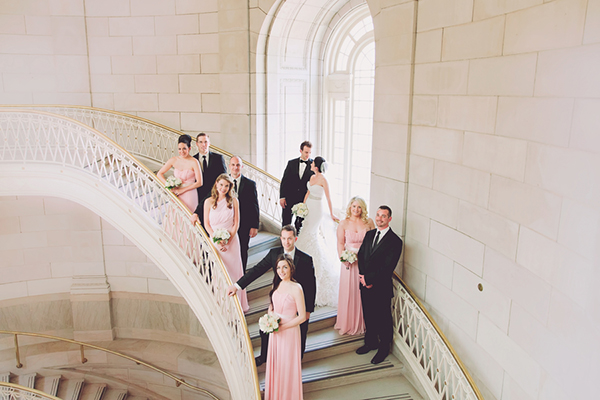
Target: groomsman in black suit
x=377 y=258
x=245 y=189
x=305 y=276
x=293 y=184
x=212 y=165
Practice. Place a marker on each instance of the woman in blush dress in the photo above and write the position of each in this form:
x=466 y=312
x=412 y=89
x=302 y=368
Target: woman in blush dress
x=222 y=211
x=283 y=380
x=188 y=170
x=350 y=234
x=317 y=228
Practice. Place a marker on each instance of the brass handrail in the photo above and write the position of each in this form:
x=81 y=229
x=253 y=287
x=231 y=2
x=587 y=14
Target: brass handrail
x=28 y=390
x=178 y=381
x=444 y=338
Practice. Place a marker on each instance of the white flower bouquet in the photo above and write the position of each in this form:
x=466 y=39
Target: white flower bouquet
x=300 y=210
x=173 y=182
x=220 y=235
x=269 y=323
x=349 y=257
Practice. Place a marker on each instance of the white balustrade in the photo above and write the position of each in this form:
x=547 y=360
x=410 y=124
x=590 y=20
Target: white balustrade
x=10 y=391
x=427 y=348
x=158 y=143
x=438 y=364
x=39 y=137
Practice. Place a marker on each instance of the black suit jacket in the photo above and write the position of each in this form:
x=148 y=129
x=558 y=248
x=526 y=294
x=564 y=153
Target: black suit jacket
x=249 y=210
x=305 y=273
x=216 y=166
x=378 y=264
x=292 y=188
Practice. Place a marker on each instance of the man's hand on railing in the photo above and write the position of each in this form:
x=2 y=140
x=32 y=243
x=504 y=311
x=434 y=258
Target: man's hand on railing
x=231 y=290
x=194 y=218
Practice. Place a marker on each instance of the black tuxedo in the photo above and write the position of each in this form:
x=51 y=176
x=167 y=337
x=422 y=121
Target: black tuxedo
x=377 y=265
x=293 y=188
x=249 y=213
x=215 y=167
x=305 y=276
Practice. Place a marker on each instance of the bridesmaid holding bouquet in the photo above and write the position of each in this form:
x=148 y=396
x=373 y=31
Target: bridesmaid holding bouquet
x=350 y=234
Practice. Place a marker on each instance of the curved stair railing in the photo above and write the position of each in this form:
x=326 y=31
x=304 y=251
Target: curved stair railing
x=82 y=345
x=422 y=342
x=427 y=347
x=154 y=141
x=12 y=391
x=34 y=136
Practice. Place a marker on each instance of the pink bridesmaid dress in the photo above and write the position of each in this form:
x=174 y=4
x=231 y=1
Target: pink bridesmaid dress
x=350 y=319
x=189 y=198
x=283 y=380
x=222 y=217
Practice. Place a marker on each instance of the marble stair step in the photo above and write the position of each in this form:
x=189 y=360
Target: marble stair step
x=92 y=391
x=390 y=388
x=321 y=318
x=325 y=343
x=263 y=241
x=70 y=389
x=115 y=394
x=344 y=369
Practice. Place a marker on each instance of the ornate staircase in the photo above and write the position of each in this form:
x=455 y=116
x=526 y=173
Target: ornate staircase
x=421 y=354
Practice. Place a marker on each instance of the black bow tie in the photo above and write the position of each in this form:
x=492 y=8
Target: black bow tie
x=307 y=162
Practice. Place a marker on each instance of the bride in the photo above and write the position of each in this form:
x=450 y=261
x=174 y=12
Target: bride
x=317 y=236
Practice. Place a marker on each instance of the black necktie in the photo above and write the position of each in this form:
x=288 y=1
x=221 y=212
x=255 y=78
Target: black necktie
x=235 y=185
x=376 y=239
x=204 y=166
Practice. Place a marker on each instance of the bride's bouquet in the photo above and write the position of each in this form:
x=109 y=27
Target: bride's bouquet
x=173 y=182
x=220 y=235
x=349 y=257
x=269 y=323
x=300 y=210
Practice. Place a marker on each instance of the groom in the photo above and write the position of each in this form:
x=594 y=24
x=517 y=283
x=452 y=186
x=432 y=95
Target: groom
x=377 y=258
x=305 y=276
x=293 y=184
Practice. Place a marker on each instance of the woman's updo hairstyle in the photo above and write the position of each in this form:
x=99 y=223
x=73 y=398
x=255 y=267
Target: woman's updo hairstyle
x=321 y=164
x=187 y=139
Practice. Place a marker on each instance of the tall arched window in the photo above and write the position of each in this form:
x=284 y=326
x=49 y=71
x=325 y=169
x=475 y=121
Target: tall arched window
x=349 y=78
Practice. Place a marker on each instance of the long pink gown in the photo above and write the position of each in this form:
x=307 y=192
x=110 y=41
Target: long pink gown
x=350 y=319
x=222 y=217
x=189 y=198
x=283 y=380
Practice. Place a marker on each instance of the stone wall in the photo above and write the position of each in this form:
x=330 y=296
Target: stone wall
x=504 y=179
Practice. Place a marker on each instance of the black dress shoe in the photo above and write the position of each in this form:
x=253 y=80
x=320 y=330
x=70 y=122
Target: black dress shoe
x=364 y=349
x=259 y=361
x=380 y=356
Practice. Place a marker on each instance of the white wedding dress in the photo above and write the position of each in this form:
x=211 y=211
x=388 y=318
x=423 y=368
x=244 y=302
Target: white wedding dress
x=317 y=239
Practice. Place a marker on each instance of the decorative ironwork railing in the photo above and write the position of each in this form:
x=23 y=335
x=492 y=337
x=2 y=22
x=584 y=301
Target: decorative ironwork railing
x=35 y=136
x=156 y=142
x=420 y=335
x=82 y=345
x=11 y=391
x=429 y=347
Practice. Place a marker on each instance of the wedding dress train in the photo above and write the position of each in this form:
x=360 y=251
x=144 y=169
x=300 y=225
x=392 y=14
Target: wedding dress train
x=317 y=239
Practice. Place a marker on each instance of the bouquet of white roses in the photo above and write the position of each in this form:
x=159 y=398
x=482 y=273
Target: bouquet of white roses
x=349 y=257
x=269 y=323
x=300 y=210
x=173 y=182
x=220 y=235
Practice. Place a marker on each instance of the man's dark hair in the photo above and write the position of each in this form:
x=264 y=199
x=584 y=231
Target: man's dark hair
x=306 y=143
x=389 y=210
x=202 y=134
x=289 y=228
